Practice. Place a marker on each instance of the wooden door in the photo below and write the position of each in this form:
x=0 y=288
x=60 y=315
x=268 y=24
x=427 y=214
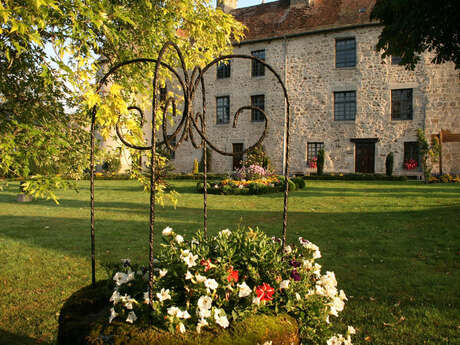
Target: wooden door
x=365 y=157
x=237 y=156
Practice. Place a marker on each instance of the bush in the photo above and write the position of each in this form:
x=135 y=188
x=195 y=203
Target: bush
x=389 y=164
x=299 y=182
x=320 y=162
x=111 y=164
x=291 y=185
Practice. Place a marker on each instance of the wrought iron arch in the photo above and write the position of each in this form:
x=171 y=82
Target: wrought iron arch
x=188 y=124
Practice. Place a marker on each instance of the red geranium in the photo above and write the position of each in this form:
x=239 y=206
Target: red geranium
x=232 y=275
x=411 y=164
x=206 y=264
x=265 y=292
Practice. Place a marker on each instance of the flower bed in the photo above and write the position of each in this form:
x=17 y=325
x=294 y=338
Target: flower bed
x=446 y=178
x=262 y=185
x=220 y=284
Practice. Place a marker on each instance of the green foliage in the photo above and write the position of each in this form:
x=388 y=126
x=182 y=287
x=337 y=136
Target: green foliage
x=299 y=182
x=257 y=156
x=429 y=153
x=389 y=161
x=320 y=162
x=356 y=177
x=37 y=90
x=412 y=27
x=112 y=162
x=291 y=185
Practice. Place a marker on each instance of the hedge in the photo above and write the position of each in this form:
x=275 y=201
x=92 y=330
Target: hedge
x=356 y=176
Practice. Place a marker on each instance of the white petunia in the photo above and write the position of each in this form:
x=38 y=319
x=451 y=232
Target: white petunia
x=121 y=278
x=221 y=320
x=173 y=311
x=204 y=302
x=183 y=315
x=316 y=254
x=113 y=315
x=188 y=275
x=211 y=284
x=297 y=296
x=190 y=259
x=131 y=317
x=288 y=250
x=167 y=231
x=199 y=278
x=163 y=295
x=201 y=323
x=225 y=232
x=204 y=313
x=334 y=341
x=351 y=330
x=343 y=296
x=115 y=297
x=181 y=328
x=284 y=284
x=256 y=301
x=162 y=273
x=146 y=297
x=179 y=239
x=244 y=290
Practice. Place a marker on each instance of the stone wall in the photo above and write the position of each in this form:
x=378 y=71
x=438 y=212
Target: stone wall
x=307 y=64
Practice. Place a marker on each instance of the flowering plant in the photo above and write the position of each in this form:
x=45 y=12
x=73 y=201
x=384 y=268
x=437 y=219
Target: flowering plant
x=313 y=163
x=252 y=172
x=410 y=164
x=211 y=282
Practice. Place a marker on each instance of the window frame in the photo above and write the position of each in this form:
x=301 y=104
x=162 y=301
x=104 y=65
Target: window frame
x=226 y=107
x=313 y=146
x=411 y=149
x=397 y=105
x=257 y=69
x=345 y=102
x=257 y=116
x=224 y=69
x=343 y=54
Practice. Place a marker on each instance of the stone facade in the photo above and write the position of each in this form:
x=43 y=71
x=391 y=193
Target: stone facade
x=306 y=63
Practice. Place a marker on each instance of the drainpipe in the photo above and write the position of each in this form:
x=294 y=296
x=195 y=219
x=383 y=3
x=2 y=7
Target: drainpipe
x=285 y=105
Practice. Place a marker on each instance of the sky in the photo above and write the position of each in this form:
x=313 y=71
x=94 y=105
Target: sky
x=246 y=3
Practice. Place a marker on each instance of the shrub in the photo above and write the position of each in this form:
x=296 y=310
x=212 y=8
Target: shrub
x=320 y=162
x=291 y=185
x=389 y=164
x=299 y=182
x=257 y=156
x=111 y=164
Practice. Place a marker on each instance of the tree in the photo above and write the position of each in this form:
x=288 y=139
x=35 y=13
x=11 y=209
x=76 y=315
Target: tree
x=414 y=26
x=87 y=38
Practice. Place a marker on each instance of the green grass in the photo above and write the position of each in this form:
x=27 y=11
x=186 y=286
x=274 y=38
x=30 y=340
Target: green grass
x=394 y=246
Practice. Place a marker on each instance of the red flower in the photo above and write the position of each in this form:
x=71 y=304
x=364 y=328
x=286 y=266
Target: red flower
x=265 y=292
x=232 y=275
x=206 y=264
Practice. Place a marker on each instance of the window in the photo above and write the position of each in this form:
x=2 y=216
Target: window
x=345 y=52
x=223 y=109
x=223 y=69
x=411 y=155
x=312 y=153
x=345 y=106
x=237 y=156
x=257 y=101
x=395 y=60
x=258 y=69
x=401 y=104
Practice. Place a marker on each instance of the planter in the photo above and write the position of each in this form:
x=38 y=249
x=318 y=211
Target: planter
x=84 y=321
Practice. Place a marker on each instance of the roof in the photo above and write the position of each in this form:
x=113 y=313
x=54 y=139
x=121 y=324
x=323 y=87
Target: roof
x=275 y=19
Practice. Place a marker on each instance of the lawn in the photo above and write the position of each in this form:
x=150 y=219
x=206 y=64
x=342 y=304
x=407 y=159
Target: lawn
x=394 y=246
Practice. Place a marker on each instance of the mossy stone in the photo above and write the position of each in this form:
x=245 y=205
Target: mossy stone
x=84 y=321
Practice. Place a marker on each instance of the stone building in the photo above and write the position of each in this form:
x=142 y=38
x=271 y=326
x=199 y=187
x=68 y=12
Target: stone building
x=343 y=97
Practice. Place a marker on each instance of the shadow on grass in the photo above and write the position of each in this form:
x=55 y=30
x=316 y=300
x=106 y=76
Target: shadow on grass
x=7 y=338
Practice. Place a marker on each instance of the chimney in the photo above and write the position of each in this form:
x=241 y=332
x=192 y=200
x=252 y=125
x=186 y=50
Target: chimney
x=227 y=5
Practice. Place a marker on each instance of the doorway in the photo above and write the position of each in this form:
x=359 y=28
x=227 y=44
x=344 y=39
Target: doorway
x=365 y=156
x=237 y=156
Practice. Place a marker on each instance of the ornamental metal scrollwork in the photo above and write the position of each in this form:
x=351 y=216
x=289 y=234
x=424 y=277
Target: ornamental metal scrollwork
x=188 y=125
